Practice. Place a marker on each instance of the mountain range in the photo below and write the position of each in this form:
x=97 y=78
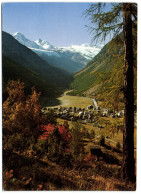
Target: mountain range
x=20 y=62
x=71 y=59
x=38 y=63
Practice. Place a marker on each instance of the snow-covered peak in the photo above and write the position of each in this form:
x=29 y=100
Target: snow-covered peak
x=84 y=49
x=20 y=35
x=45 y=44
x=26 y=42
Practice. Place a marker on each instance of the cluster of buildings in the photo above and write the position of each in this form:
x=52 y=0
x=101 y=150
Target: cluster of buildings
x=82 y=115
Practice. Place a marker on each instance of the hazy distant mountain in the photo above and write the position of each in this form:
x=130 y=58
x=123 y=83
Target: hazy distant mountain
x=72 y=58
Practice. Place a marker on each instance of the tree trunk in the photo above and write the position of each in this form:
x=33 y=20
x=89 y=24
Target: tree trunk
x=128 y=134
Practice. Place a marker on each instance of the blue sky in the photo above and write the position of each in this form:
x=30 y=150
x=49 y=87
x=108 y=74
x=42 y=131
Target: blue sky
x=62 y=24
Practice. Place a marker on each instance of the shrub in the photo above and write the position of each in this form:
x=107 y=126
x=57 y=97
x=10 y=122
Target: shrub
x=48 y=129
x=57 y=140
x=17 y=142
x=41 y=147
x=56 y=146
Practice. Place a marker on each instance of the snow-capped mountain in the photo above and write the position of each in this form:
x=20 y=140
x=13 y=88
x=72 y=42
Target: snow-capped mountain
x=71 y=59
x=38 y=44
x=84 y=49
x=23 y=40
x=44 y=44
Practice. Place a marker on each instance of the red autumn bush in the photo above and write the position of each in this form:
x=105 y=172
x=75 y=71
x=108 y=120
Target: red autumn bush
x=48 y=129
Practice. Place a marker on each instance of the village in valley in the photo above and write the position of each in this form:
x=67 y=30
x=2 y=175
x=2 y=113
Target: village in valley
x=82 y=115
x=102 y=126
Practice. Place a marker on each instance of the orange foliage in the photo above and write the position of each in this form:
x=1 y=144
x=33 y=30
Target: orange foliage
x=21 y=114
x=15 y=91
x=8 y=175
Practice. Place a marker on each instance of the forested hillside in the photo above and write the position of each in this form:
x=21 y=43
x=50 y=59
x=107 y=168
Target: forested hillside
x=12 y=70
x=19 y=62
x=103 y=76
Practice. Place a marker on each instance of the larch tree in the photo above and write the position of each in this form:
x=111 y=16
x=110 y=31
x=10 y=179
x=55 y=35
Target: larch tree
x=21 y=114
x=112 y=20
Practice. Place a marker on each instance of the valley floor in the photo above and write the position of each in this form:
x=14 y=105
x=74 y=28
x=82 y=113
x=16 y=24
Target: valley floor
x=73 y=101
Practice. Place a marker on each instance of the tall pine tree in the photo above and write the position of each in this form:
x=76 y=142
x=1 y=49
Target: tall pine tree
x=111 y=20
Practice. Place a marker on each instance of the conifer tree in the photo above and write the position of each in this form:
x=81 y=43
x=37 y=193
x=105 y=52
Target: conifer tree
x=56 y=146
x=76 y=146
x=111 y=21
